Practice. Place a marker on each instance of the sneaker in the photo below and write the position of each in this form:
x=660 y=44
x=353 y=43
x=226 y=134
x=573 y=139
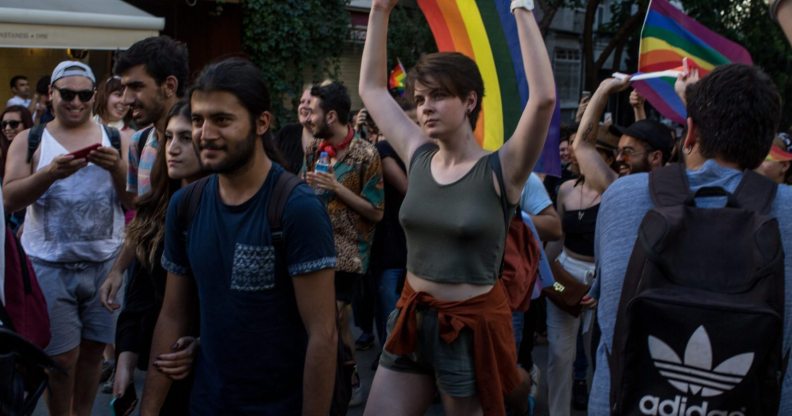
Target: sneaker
x=357 y=395
x=579 y=395
x=107 y=385
x=107 y=371
x=535 y=375
x=364 y=342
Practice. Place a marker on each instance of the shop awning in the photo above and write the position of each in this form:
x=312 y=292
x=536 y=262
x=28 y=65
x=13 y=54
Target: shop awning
x=83 y=24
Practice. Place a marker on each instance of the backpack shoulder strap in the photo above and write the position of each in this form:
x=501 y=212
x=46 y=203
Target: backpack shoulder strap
x=280 y=194
x=189 y=203
x=668 y=185
x=34 y=138
x=755 y=192
x=114 y=136
x=495 y=165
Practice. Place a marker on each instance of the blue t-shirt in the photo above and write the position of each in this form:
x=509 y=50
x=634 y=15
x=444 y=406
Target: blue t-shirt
x=534 y=198
x=253 y=341
x=623 y=207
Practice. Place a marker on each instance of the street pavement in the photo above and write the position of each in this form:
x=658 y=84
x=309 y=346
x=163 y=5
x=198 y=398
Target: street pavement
x=364 y=358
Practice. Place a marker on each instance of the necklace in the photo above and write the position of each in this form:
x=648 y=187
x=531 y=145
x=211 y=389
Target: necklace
x=581 y=211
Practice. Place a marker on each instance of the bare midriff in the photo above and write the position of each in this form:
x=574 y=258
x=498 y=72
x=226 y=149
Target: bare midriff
x=447 y=291
x=576 y=256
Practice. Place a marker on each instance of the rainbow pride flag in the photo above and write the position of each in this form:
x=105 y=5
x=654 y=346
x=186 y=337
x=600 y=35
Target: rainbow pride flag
x=396 y=78
x=485 y=31
x=668 y=36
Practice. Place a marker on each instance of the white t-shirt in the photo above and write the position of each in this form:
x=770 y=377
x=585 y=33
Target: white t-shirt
x=17 y=100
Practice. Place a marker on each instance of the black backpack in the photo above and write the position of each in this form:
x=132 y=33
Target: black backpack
x=35 y=133
x=700 y=323
x=345 y=364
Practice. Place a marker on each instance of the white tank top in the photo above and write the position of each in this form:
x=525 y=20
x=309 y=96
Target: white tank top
x=79 y=218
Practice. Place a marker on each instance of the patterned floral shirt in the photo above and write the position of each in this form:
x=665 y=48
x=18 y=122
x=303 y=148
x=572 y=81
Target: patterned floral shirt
x=360 y=170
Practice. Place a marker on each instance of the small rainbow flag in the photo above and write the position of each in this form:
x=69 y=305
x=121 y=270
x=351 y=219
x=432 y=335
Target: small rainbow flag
x=396 y=79
x=667 y=37
x=485 y=31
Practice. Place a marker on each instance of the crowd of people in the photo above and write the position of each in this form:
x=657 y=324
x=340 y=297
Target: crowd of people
x=173 y=231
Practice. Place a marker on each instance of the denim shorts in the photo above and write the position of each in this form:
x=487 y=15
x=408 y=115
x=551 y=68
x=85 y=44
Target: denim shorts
x=451 y=365
x=75 y=312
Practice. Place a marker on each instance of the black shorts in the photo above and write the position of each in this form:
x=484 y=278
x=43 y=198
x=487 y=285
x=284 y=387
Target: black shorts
x=346 y=284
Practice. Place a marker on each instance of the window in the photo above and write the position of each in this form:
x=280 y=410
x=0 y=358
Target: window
x=566 y=68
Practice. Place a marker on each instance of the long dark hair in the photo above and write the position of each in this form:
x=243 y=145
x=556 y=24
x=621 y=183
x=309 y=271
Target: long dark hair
x=147 y=231
x=5 y=143
x=245 y=81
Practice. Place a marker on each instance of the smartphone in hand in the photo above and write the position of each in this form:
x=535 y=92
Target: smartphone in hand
x=83 y=153
x=124 y=405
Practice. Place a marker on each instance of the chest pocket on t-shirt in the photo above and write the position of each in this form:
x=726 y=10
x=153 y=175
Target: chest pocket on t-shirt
x=254 y=268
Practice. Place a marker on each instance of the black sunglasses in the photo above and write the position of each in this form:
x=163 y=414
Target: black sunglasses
x=13 y=123
x=68 y=95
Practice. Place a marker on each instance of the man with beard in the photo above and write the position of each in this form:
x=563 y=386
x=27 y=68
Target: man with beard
x=154 y=74
x=643 y=146
x=353 y=191
x=73 y=229
x=293 y=139
x=267 y=319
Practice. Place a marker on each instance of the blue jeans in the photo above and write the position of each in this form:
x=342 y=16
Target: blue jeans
x=387 y=295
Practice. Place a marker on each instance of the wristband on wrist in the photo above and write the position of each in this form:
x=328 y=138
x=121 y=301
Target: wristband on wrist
x=773 y=5
x=522 y=4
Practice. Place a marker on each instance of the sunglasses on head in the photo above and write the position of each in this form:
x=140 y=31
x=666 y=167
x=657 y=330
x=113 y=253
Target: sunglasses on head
x=68 y=95
x=13 y=123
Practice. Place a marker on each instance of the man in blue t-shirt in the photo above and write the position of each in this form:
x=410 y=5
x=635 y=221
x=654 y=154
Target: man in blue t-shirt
x=733 y=114
x=267 y=314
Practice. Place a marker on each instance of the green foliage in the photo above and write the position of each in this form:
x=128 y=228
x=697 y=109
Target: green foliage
x=409 y=36
x=294 y=40
x=748 y=23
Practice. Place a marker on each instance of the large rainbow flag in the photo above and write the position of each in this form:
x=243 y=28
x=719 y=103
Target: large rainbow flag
x=485 y=31
x=668 y=36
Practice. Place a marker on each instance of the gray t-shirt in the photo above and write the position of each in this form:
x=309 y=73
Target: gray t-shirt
x=623 y=207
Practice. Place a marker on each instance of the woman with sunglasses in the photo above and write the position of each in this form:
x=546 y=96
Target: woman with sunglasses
x=13 y=120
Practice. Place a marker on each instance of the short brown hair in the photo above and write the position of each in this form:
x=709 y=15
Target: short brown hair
x=450 y=72
x=103 y=92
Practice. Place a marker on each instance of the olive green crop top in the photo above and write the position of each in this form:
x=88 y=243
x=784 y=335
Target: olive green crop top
x=456 y=232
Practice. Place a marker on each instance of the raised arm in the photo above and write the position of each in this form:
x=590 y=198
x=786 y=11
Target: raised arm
x=402 y=133
x=520 y=153
x=598 y=174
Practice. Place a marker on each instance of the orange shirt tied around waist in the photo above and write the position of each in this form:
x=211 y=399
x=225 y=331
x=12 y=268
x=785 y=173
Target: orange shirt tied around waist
x=489 y=318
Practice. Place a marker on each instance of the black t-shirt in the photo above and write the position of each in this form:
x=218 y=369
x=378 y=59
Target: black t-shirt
x=289 y=142
x=389 y=250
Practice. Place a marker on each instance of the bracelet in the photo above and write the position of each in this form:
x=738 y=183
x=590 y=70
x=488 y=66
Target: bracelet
x=522 y=4
x=773 y=5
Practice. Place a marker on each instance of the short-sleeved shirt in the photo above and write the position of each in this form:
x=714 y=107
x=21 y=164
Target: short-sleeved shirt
x=253 y=342
x=623 y=207
x=17 y=100
x=139 y=172
x=534 y=197
x=360 y=171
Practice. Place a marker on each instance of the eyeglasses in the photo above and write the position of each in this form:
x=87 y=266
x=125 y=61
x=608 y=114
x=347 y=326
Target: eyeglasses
x=12 y=123
x=68 y=95
x=628 y=152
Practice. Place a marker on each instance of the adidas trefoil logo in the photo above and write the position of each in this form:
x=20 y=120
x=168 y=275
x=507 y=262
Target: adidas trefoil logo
x=695 y=374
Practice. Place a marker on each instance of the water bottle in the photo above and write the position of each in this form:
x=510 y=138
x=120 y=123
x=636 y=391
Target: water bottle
x=323 y=164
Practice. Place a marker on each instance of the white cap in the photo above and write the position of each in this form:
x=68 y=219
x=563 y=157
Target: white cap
x=72 y=69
